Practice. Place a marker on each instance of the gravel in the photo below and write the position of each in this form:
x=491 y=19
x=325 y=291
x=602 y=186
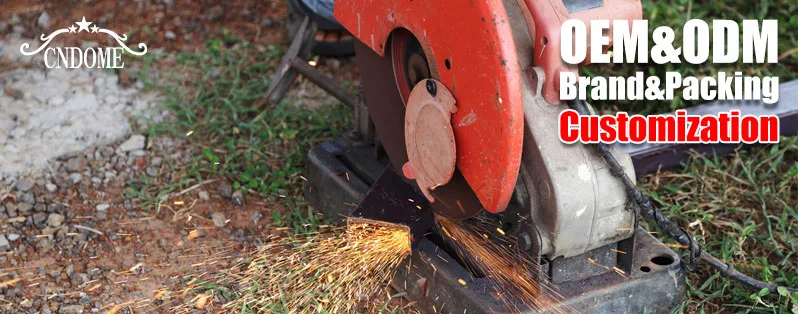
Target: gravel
x=76 y=164
x=71 y=309
x=4 y=245
x=219 y=219
x=39 y=218
x=61 y=110
x=55 y=220
x=226 y=190
x=135 y=142
x=44 y=20
x=24 y=185
x=68 y=147
x=238 y=198
x=204 y=195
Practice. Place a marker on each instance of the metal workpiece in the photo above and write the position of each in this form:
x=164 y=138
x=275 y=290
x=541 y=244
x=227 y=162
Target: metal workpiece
x=648 y=276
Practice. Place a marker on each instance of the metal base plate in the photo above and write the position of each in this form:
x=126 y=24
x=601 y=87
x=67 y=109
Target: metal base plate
x=339 y=174
x=651 y=288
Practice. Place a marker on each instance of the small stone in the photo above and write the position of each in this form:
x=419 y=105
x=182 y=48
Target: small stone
x=55 y=220
x=75 y=177
x=215 y=13
x=62 y=180
x=79 y=278
x=11 y=210
x=106 y=151
x=170 y=35
x=24 y=207
x=238 y=198
x=163 y=244
x=170 y=4
x=215 y=73
x=4 y=245
x=49 y=231
x=157 y=161
x=55 y=207
x=24 y=185
x=266 y=21
x=103 y=207
x=13 y=236
x=27 y=198
x=256 y=216
x=135 y=142
x=151 y=171
x=204 y=195
x=127 y=204
x=39 y=218
x=218 y=219
x=77 y=164
x=226 y=190
x=51 y=187
x=44 y=20
x=71 y=309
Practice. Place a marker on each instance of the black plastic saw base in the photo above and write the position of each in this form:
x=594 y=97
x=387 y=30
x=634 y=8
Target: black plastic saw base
x=340 y=174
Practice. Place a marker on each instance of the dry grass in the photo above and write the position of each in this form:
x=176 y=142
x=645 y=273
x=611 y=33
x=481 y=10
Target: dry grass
x=325 y=272
x=743 y=208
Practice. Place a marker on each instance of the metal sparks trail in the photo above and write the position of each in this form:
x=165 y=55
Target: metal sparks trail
x=496 y=258
x=325 y=272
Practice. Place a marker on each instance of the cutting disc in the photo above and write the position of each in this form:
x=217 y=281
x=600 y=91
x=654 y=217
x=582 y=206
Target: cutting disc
x=387 y=82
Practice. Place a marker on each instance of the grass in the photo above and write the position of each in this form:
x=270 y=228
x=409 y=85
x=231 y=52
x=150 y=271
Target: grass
x=674 y=14
x=743 y=207
x=214 y=98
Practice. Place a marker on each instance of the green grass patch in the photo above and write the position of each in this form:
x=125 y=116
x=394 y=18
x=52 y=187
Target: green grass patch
x=744 y=209
x=214 y=96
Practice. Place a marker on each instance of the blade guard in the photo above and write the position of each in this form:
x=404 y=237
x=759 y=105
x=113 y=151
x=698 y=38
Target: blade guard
x=470 y=50
x=429 y=138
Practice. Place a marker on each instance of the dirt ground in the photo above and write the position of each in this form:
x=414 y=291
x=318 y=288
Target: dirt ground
x=73 y=241
x=191 y=22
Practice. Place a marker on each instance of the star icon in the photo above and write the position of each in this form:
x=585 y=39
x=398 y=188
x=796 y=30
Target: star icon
x=83 y=25
x=72 y=29
x=94 y=28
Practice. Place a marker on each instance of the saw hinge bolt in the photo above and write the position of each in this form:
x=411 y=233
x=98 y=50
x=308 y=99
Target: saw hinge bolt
x=432 y=88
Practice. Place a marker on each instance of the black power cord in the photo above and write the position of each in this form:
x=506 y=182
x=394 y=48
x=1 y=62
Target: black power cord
x=671 y=229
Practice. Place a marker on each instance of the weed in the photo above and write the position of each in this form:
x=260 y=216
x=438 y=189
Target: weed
x=743 y=208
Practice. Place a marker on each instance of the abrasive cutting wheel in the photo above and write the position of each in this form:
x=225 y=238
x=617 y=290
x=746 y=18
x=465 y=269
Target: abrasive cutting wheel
x=387 y=84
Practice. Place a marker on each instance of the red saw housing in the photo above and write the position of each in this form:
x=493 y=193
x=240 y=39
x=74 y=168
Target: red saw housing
x=470 y=49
